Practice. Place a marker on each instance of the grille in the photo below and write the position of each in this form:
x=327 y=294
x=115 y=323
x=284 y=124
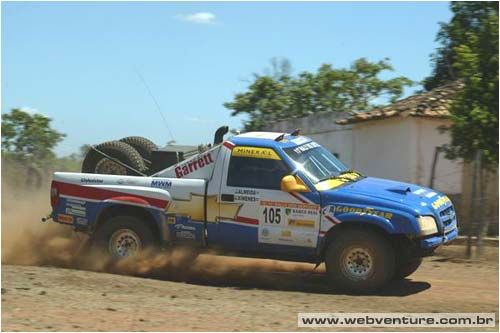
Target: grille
x=447 y=217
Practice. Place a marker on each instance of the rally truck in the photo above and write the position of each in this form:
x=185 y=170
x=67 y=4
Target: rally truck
x=258 y=194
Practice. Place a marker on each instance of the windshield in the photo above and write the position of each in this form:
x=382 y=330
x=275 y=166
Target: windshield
x=315 y=162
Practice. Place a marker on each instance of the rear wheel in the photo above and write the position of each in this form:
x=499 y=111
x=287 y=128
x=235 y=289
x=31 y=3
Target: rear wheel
x=95 y=162
x=407 y=268
x=359 y=261
x=123 y=236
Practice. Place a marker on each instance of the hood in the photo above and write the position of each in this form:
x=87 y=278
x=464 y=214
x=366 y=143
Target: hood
x=370 y=191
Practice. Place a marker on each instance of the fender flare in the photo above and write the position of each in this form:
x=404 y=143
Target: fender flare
x=348 y=219
x=374 y=220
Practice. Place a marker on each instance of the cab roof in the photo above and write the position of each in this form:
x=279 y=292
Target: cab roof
x=267 y=139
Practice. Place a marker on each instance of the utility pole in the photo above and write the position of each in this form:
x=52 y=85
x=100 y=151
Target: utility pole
x=472 y=215
x=483 y=223
x=437 y=150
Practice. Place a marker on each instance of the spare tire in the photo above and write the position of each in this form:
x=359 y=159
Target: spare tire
x=142 y=145
x=95 y=162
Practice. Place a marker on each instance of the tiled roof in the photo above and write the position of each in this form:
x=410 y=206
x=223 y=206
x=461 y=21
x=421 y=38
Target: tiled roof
x=434 y=103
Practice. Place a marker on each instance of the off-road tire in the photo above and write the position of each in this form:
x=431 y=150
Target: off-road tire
x=407 y=268
x=143 y=146
x=342 y=268
x=116 y=149
x=103 y=236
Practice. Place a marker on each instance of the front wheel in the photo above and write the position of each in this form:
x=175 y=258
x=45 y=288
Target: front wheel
x=407 y=268
x=123 y=236
x=360 y=261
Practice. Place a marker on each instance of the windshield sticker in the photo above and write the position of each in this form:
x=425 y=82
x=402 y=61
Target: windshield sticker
x=306 y=147
x=253 y=152
x=300 y=140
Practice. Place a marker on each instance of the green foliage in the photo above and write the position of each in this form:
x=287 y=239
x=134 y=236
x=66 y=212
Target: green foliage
x=28 y=137
x=279 y=95
x=469 y=52
x=84 y=149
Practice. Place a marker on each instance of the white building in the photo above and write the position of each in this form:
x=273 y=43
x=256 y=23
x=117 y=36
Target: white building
x=397 y=141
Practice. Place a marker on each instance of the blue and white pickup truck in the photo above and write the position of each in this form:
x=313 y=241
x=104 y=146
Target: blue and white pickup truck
x=264 y=194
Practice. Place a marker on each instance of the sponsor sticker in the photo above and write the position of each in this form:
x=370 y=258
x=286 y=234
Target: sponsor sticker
x=361 y=211
x=420 y=191
x=288 y=204
x=301 y=223
x=430 y=194
x=124 y=181
x=76 y=207
x=91 y=180
x=76 y=212
x=193 y=165
x=162 y=184
x=184 y=227
x=254 y=152
x=63 y=218
x=440 y=202
x=185 y=234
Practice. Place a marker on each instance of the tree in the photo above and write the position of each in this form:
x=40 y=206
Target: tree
x=279 y=95
x=469 y=52
x=28 y=137
x=84 y=149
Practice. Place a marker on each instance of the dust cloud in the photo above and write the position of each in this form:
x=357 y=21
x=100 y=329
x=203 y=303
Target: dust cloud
x=28 y=241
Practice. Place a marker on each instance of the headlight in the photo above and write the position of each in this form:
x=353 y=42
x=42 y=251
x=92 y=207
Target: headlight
x=427 y=225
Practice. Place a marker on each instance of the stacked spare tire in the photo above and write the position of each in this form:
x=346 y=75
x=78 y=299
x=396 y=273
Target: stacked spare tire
x=128 y=156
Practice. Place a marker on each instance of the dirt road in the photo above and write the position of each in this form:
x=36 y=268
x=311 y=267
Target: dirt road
x=267 y=298
x=209 y=293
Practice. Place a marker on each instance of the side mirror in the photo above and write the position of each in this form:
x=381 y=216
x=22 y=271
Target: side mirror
x=293 y=184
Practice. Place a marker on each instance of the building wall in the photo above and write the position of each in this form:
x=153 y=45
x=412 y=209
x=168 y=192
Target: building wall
x=381 y=148
x=448 y=174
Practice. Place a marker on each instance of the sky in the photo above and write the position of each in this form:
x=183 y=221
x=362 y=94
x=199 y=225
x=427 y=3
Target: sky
x=91 y=66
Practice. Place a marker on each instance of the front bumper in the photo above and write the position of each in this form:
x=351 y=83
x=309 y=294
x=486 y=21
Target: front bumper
x=434 y=241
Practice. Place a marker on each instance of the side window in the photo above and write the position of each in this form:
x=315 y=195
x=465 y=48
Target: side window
x=256 y=172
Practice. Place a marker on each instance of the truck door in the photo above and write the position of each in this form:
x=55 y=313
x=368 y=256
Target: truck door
x=255 y=214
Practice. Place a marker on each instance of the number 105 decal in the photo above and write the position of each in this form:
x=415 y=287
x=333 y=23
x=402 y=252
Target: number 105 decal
x=272 y=215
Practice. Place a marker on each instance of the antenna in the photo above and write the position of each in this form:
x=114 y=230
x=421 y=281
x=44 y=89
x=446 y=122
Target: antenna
x=156 y=103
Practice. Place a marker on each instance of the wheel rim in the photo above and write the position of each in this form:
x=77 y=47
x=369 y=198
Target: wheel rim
x=357 y=263
x=109 y=167
x=124 y=243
